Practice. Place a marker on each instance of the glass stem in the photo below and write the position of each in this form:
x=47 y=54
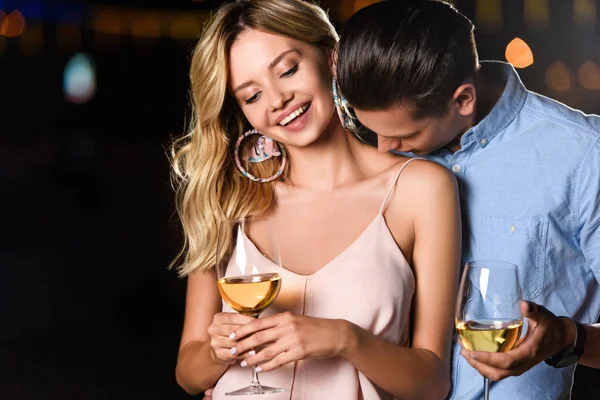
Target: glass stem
x=486 y=388
x=255 y=382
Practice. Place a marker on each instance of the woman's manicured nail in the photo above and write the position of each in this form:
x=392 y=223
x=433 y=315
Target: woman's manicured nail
x=243 y=364
x=233 y=350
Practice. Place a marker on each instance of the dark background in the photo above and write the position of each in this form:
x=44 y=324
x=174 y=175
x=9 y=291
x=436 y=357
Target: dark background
x=88 y=308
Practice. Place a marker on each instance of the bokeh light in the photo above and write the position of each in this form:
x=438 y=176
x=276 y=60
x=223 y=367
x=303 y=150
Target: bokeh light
x=107 y=21
x=558 y=77
x=145 y=25
x=79 y=82
x=358 y=4
x=519 y=54
x=185 y=27
x=536 y=14
x=488 y=14
x=589 y=75
x=13 y=24
x=584 y=12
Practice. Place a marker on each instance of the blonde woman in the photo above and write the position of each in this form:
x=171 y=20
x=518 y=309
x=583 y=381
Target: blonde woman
x=374 y=237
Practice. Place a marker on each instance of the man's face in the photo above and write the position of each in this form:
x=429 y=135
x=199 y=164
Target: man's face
x=398 y=130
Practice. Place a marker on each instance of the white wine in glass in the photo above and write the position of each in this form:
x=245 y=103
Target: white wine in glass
x=250 y=294
x=248 y=280
x=488 y=312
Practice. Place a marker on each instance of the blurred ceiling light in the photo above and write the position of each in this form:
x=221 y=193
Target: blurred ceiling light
x=536 y=14
x=13 y=24
x=488 y=14
x=519 y=54
x=185 y=27
x=358 y=4
x=589 y=75
x=68 y=38
x=145 y=25
x=558 y=77
x=79 y=82
x=584 y=12
x=107 y=22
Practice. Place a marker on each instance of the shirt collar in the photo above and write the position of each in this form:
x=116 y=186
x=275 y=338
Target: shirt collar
x=504 y=111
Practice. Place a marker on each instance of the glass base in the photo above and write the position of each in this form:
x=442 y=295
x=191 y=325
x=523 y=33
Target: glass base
x=258 y=389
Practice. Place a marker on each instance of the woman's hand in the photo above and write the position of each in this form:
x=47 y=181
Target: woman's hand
x=222 y=326
x=288 y=337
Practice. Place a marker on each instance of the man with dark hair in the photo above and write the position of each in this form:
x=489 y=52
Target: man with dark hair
x=528 y=170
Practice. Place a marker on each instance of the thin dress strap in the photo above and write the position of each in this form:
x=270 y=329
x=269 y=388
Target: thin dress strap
x=389 y=193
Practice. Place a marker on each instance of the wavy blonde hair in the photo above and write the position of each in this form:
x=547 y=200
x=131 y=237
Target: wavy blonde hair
x=209 y=187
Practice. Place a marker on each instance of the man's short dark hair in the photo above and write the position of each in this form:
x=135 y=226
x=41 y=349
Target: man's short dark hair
x=414 y=51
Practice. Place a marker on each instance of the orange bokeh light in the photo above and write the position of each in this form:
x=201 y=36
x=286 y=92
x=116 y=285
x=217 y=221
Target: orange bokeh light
x=589 y=75
x=145 y=25
x=13 y=24
x=358 y=4
x=519 y=54
x=108 y=22
x=2 y=16
x=558 y=77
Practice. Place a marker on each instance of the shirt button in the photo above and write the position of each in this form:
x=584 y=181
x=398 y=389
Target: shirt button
x=483 y=141
x=456 y=168
x=513 y=228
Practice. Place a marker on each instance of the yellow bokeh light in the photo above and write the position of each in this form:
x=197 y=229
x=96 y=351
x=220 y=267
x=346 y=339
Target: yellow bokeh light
x=584 y=12
x=589 y=75
x=13 y=24
x=488 y=14
x=185 y=27
x=519 y=54
x=536 y=14
x=558 y=77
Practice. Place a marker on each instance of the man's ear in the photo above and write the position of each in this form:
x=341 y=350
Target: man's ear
x=464 y=98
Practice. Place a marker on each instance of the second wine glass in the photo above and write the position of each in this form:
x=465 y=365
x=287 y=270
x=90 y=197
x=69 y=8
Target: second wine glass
x=488 y=312
x=248 y=280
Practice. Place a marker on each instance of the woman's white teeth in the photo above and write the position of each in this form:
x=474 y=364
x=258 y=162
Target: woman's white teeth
x=293 y=115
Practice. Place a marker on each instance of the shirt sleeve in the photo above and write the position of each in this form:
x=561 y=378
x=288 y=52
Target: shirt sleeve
x=589 y=208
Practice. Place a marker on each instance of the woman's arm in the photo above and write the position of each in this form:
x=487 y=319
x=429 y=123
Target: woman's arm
x=422 y=371
x=204 y=349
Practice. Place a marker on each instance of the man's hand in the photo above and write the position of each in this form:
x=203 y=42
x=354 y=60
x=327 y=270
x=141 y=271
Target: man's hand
x=546 y=335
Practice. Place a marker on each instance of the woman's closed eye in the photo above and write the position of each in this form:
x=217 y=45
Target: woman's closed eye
x=286 y=74
x=290 y=72
x=252 y=99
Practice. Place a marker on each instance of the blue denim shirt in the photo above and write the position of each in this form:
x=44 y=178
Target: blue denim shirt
x=529 y=180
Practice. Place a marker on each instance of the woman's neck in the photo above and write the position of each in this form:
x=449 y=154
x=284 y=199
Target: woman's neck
x=331 y=161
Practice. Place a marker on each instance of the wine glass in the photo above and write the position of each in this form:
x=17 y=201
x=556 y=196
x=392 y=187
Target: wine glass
x=488 y=313
x=248 y=280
